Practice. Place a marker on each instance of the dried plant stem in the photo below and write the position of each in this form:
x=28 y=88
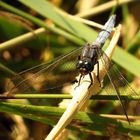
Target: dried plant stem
x=82 y=93
x=22 y=38
x=121 y=116
x=79 y=19
x=101 y=8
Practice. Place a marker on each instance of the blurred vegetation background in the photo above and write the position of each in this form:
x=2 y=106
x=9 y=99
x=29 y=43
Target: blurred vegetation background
x=34 y=32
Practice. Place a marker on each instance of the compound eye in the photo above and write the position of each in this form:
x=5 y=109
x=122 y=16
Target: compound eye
x=88 y=66
x=79 y=64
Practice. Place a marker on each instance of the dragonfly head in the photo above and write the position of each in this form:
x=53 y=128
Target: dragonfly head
x=84 y=66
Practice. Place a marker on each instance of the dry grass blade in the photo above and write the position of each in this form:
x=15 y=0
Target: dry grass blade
x=21 y=39
x=102 y=8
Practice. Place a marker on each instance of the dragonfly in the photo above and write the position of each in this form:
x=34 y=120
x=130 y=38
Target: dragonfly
x=91 y=52
x=63 y=70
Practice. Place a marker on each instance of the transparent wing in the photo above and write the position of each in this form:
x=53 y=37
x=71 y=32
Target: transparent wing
x=118 y=86
x=46 y=76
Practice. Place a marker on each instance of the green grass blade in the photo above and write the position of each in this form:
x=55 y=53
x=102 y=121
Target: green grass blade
x=65 y=96
x=48 y=10
x=127 y=61
x=41 y=23
x=36 y=113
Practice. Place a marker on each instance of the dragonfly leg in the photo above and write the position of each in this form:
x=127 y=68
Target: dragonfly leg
x=74 y=81
x=91 y=80
x=79 y=81
x=98 y=74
